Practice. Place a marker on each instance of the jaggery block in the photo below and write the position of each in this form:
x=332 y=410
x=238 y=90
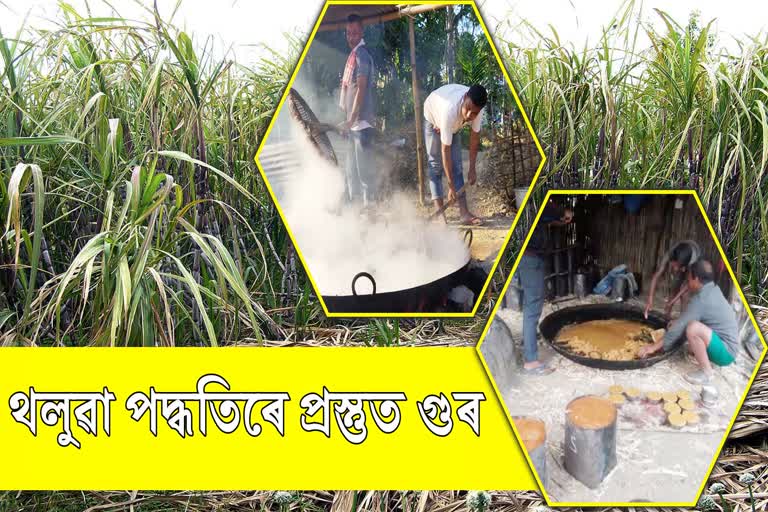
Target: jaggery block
x=653 y=396
x=676 y=419
x=669 y=397
x=690 y=417
x=616 y=398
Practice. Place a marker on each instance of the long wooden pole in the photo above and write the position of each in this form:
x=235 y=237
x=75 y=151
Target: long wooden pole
x=397 y=12
x=417 y=111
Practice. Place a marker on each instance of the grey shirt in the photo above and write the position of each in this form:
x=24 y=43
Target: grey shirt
x=709 y=307
x=365 y=68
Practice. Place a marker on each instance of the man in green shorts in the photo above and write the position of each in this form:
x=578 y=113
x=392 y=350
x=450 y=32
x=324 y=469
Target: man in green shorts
x=708 y=322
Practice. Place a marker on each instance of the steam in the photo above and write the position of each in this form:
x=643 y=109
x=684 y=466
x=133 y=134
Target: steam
x=397 y=247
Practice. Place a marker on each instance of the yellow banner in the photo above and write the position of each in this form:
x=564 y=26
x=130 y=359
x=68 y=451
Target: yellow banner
x=275 y=419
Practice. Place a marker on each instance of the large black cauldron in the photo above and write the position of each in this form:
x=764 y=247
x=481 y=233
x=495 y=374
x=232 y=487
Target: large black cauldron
x=425 y=298
x=552 y=324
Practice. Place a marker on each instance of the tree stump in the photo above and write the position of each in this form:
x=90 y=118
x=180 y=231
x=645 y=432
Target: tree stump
x=533 y=434
x=590 y=439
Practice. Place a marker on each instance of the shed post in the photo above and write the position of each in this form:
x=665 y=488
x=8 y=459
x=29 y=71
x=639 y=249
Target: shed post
x=417 y=111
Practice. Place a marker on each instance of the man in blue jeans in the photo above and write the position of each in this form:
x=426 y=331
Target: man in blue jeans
x=531 y=272
x=446 y=111
x=357 y=102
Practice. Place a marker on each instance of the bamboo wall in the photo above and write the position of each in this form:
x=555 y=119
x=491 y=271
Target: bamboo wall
x=615 y=236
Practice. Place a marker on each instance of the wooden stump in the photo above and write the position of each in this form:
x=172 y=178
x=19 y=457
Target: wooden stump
x=590 y=439
x=533 y=434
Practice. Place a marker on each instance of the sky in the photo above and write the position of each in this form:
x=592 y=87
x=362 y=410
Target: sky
x=245 y=25
x=581 y=21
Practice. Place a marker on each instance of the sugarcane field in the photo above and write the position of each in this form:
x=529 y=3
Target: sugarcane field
x=571 y=194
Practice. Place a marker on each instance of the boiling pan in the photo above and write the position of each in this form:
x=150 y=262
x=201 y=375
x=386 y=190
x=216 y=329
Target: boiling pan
x=423 y=298
x=552 y=324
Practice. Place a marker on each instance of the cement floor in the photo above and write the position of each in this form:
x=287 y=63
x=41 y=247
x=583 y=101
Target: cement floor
x=655 y=462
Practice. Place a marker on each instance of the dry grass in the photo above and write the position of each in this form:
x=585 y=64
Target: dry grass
x=746 y=451
x=753 y=417
x=433 y=333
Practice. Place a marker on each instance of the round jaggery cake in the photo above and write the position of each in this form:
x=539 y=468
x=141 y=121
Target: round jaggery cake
x=669 y=397
x=653 y=396
x=676 y=420
x=616 y=398
x=690 y=417
x=591 y=412
x=615 y=389
x=532 y=432
x=672 y=407
x=683 y=394
x=686 y=404
x=633 y=393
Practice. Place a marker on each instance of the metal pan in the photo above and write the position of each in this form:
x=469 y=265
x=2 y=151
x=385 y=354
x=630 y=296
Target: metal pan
x=423 y=298
x=552 y=324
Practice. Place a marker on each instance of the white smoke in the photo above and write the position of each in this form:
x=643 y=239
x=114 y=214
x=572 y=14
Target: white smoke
x=398 y=247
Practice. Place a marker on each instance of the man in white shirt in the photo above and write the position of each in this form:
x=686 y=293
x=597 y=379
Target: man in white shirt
x=357 y=102
x=446 y=111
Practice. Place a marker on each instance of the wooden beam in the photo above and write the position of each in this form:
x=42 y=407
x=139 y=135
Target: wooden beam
x=410 y=10
x=417 y=111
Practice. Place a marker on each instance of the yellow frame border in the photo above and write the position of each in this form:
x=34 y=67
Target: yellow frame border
x=279 y=107
x=577 y=192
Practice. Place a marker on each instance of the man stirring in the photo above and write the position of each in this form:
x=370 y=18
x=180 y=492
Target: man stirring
x=446 y=111
x=676 y=261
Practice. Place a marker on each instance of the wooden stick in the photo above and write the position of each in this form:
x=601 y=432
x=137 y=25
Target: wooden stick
x=324 y=127
x=448 y=204
x=396 y=13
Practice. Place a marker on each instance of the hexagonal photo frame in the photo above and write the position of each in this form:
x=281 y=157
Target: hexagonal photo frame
x=614 y=402
x=383 y=107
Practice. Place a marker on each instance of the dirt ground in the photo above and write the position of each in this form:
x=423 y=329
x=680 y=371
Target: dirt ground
x=655 y=462
x=487 y=203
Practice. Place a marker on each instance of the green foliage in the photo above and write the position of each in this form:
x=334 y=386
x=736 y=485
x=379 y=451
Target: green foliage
x=128 y=189
x=389 y=46
x=384 y=333
x=677 y=113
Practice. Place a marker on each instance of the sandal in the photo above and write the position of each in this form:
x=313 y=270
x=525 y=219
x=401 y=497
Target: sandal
x=472 y=221
x=542 y=369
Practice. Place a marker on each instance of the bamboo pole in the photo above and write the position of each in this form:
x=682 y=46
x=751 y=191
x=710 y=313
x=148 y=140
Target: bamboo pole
x=397 y=12
x=417 y=111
